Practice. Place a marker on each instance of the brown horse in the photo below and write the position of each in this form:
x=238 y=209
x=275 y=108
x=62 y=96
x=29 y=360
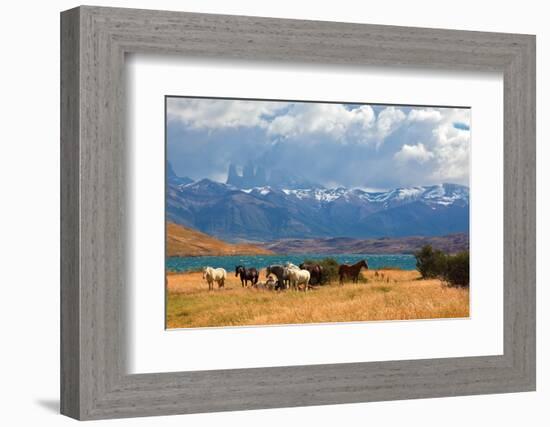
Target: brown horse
x=352 y=271
x=315 y=271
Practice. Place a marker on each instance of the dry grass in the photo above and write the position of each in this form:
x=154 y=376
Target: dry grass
x=388 y=295
x=183 y=241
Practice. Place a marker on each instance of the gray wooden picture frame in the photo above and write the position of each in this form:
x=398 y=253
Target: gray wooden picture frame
x=94 y=41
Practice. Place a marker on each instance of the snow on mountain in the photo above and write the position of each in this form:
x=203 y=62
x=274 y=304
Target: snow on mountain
x=442 y=194
x=321 y=195
x=265 y=212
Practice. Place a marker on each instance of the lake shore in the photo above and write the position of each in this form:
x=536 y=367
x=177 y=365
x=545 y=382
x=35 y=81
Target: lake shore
x=186 y=264
x=383 y=295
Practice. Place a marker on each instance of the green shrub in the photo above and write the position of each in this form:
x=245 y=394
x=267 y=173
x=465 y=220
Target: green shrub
x=330 y=269
x=458 y=269
x=453 y=269
x=430 y=263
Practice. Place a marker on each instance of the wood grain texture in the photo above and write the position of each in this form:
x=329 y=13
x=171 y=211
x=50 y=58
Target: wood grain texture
x=70 y=257
x=94 y=235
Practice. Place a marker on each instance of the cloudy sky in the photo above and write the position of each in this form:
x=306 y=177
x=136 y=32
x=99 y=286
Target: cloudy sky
x=350 y=145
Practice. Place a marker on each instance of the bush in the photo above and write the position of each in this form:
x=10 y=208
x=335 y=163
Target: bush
x=430 y=263
x=458 y=269
x=330 y=269
x=453 y=269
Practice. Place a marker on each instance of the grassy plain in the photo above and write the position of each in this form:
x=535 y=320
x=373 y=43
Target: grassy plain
x=382 y=295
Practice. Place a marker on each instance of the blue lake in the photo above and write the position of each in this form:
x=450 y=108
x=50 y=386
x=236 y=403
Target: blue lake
x=402 y=261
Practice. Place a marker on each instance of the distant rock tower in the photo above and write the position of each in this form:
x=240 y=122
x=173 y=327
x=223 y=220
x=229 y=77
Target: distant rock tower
x=252 y=176
x=233 y=178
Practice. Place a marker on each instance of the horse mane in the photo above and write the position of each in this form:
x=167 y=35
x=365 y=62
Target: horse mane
x=360 y=262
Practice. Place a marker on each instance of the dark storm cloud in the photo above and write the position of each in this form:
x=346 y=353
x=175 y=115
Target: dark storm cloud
x=331 y=144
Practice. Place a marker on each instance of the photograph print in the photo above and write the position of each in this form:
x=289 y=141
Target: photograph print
x=293 y=212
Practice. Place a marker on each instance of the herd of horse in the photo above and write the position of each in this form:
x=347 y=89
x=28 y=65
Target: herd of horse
x=281 y=277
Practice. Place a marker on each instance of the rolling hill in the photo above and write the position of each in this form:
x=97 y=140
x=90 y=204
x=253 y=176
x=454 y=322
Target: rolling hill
x=183 y=241
x=452 y=243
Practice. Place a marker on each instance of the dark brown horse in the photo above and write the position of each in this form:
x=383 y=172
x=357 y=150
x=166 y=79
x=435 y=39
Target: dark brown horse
x=281 y=273
x=352 y=271
x=315 y=273
x=246 y=275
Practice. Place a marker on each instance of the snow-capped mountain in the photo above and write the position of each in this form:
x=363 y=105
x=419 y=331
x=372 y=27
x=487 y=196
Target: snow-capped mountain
x=266 y=213
x=443 y=194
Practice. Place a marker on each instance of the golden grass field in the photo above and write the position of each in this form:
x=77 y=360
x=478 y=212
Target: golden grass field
x=389 y=295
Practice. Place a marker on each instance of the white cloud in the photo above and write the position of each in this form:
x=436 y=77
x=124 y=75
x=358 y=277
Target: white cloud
x=220 y=113
x=453 y=153
x=438 y=138
x=417 y=153
x=424 y=115
x=336 y=121
x=389 y=119
x=289 y=120
x=332 y=120
x=452 y=147
x=445 y=148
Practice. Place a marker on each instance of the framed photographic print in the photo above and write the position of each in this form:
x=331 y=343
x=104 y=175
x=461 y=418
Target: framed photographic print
x=314 y=196
x=292 y=213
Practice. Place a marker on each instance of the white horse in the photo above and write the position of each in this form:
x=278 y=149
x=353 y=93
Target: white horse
x=297 y=276
x=212 y=275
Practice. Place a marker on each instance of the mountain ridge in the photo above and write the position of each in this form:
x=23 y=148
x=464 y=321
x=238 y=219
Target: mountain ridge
x=452 y=243
x=265 y=213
